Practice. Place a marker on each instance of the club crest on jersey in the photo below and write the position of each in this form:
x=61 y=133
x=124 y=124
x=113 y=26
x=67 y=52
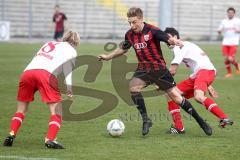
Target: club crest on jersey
x=146 y=37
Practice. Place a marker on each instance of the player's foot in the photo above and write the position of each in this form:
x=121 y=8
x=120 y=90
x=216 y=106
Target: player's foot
x=174 y=130
x=147 y=124
x=53 y=145
x=237 y=72
x=228 y=75
x=9 y=140
x=224 y=122
x=206 y=128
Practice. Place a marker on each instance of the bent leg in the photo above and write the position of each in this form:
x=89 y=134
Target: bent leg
x=187 y=106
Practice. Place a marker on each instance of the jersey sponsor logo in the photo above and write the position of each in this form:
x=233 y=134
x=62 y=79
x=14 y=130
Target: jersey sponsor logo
x=140 y=45
x=45 y=55
x=146 y=37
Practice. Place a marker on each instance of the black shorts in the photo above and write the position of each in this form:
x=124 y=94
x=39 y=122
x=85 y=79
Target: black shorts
x=58 y=35
x=162 y=78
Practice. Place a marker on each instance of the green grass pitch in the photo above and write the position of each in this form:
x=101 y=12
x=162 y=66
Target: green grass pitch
x=88 y=140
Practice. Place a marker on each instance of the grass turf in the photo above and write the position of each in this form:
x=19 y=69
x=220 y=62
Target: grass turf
x=89 y=140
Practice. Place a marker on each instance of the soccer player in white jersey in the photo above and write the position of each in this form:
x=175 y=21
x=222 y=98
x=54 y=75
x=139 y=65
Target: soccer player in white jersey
x=230 y=27
x=40 y=75
x=197 y=84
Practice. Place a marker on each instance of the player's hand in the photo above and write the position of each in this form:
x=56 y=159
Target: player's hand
x=212 y=92
x=104 y=57
x=171 y=46
x=69 y=94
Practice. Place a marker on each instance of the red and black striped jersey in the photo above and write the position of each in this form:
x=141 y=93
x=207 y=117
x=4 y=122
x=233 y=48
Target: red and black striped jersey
x=147 y=47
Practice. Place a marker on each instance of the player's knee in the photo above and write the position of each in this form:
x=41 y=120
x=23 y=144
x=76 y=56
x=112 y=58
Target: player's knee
x=134 y=89
x=177 y=99
x=230 y=59
x=199 y=98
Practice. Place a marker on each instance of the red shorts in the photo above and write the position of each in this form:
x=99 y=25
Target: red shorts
x=229 y=50
x=203 y=79
x=37 y=79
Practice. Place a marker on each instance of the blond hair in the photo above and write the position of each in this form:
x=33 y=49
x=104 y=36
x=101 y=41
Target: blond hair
x=72 y=38
x=135 y=12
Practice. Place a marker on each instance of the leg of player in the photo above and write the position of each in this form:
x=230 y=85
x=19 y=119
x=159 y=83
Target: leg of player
x=54 y=126
x=135 y=87
x=228 y=67
x=212 y=107
x=174 y=110
x=16 y=122
x=177 y=98
x=226 y=53
x=232 y=60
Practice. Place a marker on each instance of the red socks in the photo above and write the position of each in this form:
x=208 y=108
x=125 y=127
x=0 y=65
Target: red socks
x=228 y=66
x=16 y=123
x=234 y=62
x=174 y=110
x=54 y=126
x=213 y=108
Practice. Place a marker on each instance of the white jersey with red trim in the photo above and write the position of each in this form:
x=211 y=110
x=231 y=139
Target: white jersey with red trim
x=55 y=57
x=229 y=28
x=193 y=57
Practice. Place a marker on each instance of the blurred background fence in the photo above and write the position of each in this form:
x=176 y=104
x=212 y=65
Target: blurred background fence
x=101 y=19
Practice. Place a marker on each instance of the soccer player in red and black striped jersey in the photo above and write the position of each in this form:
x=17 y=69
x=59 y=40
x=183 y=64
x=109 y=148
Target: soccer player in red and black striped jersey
x=145 y=39
x=59 y=18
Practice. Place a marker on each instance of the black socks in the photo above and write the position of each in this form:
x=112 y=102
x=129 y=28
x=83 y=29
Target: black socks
x=139 y=101
x=186 y=106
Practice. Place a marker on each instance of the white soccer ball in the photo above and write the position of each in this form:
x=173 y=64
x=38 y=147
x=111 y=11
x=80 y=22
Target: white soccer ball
x=115 y=127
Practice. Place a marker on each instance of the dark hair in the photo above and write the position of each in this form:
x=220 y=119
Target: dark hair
x=231 y=9
x=135 y=12
x=172 y=31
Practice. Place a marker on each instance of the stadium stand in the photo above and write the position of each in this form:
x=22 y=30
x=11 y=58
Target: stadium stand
x=106 y=18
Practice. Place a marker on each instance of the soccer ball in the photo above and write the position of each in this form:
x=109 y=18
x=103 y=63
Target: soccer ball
x=115 y=128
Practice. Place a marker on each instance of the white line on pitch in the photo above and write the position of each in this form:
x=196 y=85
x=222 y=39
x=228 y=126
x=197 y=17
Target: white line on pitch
x=26 y=158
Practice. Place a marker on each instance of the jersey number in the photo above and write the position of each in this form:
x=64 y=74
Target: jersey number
x=49 y=47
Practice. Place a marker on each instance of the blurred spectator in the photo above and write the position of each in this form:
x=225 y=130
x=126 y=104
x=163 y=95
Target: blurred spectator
x=58 y=18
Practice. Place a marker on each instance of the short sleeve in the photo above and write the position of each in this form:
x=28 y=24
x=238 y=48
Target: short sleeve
x=221 y=25
x=53 y=19
x=238 y=22
x=178 y=55
x=64 y=16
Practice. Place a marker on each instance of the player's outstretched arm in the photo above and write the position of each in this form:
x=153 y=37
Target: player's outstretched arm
x=175 y=41
x=116 y=53
x=173 y=69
